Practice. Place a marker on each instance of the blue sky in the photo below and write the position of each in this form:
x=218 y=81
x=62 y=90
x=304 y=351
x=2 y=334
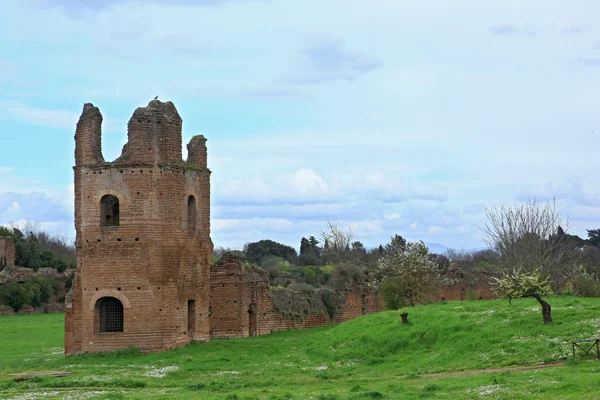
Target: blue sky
x=393 y=117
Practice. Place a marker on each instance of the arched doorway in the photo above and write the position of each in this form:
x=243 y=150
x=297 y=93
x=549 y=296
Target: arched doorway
x=365 y=304
x=191 y=317
x=252 y=320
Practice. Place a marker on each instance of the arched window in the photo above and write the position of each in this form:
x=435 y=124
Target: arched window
x=191 y=215
x=109 y=210
x=110 y=314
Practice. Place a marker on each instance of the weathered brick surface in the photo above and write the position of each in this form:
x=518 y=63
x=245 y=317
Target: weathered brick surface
x=19 y=273
x=7 y=252
x=6 y=310
x=461 y=291
x=153 y=262
x=241 y=304
x=158 y=257
x=359 y=301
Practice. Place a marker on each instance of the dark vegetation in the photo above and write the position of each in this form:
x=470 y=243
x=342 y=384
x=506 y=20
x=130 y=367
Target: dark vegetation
x=37 y=249
x=323 y=270
x=33 y=291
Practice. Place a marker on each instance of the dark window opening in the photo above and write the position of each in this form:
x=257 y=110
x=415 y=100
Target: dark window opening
x=109 y=210
x=110 y=315
x=191 y=215
x=365 y=304
x=191 y=316
x=252 y=320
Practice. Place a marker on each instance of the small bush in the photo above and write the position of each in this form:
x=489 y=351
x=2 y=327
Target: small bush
x=373 y=395
x=587 y=284
x=327 y=397
x=431 y=387
x=33 y=291
x=197 y=387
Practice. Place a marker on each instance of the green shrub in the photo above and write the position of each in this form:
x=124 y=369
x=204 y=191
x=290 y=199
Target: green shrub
x=331 y=301
x=14 y=295
x=587 y=284
x=33 y=291
x=39 y=249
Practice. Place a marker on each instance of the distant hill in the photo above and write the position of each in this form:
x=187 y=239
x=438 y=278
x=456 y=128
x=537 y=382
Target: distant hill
x=436 y=248
x=441 y=249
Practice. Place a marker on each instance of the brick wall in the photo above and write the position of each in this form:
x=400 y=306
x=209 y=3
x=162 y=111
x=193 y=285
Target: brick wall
x=463 y=291
x=19 y=273
x=242 y=304
x=7 y=252
x=155 y=260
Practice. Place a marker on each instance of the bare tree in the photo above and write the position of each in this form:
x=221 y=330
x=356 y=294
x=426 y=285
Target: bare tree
x=338 y=241
x=528 y=239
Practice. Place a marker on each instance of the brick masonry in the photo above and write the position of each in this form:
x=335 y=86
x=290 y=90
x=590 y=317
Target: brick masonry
x=20 y=273
x=462 y=291
x=156 y=259
x=7 y=252
x=242 y=304
x=158 y=256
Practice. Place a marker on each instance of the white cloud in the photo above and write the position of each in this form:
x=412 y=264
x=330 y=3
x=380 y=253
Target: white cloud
x=299 y=187
x=434 y=230
x=14 y=208
x=15 y=110
x=404 y=136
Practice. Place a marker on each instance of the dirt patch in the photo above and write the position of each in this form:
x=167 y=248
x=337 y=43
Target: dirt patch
x=494 y=370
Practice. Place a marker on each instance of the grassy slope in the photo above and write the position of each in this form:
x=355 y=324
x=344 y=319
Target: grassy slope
x=370 y=357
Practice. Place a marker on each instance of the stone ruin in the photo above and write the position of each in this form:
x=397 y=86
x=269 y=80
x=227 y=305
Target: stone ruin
x=143 y=274
x=7 y=253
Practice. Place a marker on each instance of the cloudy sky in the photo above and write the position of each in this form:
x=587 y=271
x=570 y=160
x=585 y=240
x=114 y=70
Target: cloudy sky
x=390 y=116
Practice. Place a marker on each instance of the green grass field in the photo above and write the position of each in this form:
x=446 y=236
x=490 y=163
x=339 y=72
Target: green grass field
x=372 y=357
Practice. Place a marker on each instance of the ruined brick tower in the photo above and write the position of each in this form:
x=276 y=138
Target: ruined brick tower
x=143 y=237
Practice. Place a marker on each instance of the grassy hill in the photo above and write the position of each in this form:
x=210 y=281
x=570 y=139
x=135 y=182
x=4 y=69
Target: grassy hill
x=374 y=356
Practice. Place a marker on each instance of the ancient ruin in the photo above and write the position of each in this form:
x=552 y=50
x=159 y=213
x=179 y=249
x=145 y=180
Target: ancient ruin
x=143 y=237
x=143 y=243
x=243 y=304
x=7 y=252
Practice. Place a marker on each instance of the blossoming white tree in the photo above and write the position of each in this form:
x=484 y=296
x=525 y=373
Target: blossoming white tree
x=406 y=274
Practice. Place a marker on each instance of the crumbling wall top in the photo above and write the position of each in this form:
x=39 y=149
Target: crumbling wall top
x=88 y=137
x=197 y=154
x=154 y=135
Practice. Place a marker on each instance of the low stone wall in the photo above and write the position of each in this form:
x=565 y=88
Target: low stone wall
x=6 y=310
x=52 y=307
x=19 y=273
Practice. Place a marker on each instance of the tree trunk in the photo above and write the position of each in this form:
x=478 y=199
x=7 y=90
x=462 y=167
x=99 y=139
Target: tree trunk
x=546 y=309
x=404 y=317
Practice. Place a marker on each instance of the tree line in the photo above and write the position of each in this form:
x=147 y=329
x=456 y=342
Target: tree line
x=35 y=248
x=530 y=254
